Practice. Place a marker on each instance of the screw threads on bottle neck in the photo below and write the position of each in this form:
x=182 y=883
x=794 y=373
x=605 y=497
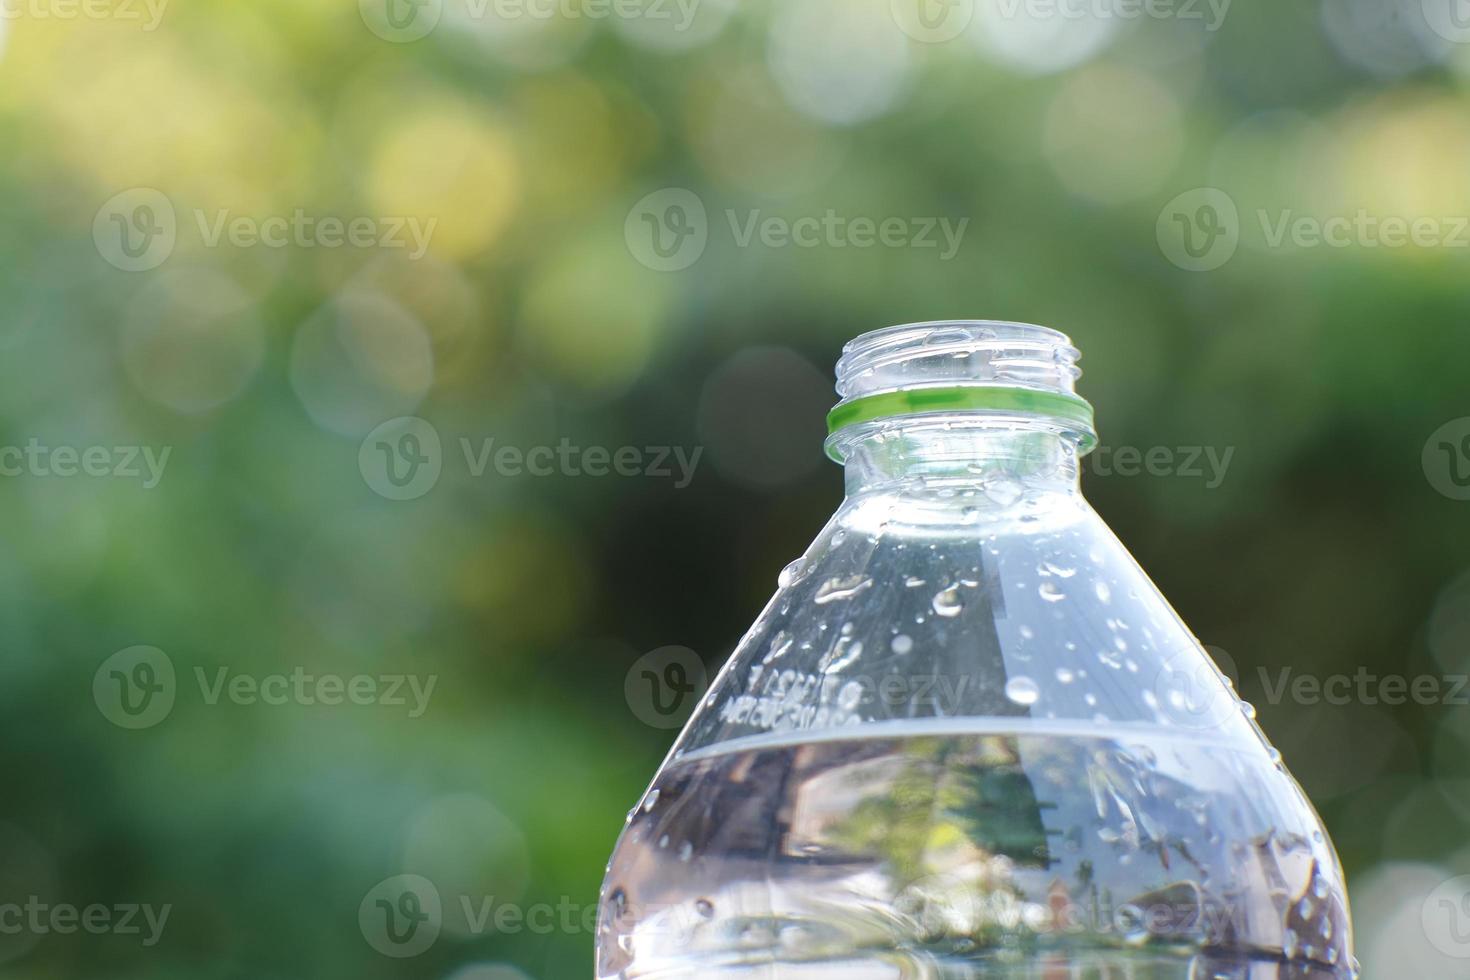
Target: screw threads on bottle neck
x=989 y=383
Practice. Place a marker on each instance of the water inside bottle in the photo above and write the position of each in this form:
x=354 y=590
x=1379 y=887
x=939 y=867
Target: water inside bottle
x=948 y=849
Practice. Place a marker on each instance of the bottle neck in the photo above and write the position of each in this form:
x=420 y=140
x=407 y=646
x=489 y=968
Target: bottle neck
x=997 y=461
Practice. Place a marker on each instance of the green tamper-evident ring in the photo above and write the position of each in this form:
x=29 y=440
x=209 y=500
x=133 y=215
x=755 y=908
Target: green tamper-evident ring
x=968 y=398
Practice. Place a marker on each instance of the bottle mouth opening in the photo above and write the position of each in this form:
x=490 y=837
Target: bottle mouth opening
x=971 y=367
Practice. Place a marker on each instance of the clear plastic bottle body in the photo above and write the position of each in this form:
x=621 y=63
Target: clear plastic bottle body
x=969 y=738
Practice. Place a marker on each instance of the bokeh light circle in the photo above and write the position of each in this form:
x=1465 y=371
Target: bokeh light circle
x=592 y=316
x=749 y=137
x=487 y=971
x=1040 y=39
x=192 y=340
x=470 y=850
x=1113 y=134
x=358 y=361
x=450 y=170
x=522 y=35
x=1388 y=38
x=836 y=61
x=667 y=26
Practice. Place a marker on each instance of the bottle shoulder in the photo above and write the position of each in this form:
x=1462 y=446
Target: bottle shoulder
x=927 y=613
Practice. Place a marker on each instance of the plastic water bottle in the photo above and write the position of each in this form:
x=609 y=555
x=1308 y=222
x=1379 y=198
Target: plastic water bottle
x=968 y=737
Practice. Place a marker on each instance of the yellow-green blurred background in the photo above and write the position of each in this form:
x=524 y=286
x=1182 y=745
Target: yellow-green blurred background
x=601 y=190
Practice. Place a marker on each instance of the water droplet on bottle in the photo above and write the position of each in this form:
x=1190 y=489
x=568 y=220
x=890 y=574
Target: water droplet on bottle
x=913 y=581
x=686 y=851
x=705 y=908
x=651 y=801
x=791 y=574
x=1065 y=676
x=1060 y=571
x=948 y=603
x=1103 y=592
x=1023 y=691
x=841 y=587
x=780 y=644
x=902 y=644
x=1051 y=593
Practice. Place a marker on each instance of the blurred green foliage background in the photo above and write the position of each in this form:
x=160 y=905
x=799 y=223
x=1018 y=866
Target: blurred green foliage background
x=585 y=176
